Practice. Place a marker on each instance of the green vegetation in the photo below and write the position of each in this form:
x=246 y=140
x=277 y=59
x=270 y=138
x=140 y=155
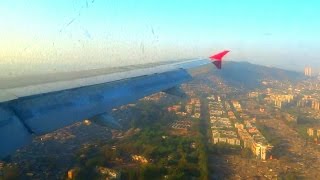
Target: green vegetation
x=305 y=120
x=302 y=130
x=267 y=132
x=224 y=148
x=301 y=125
x=168 y=156
x=10 y=173
x=246 y=153
x=147 y=114
x=172 y=157
x=203 y=150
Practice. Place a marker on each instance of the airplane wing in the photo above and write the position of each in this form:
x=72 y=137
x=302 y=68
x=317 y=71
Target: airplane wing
x=217 y=59
x=36 y=105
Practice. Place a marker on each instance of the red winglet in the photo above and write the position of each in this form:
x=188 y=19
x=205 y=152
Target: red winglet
x=217 y=58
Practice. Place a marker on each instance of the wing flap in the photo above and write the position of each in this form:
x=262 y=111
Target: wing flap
x=13 y=133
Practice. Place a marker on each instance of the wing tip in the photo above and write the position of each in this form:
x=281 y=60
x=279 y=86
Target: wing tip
x=217 y=58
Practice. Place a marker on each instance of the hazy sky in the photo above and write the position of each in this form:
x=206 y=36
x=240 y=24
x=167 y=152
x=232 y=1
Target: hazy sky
x=62 y=35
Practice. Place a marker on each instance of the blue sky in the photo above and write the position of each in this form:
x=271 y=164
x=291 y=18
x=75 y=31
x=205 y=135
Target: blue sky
x=80 y=34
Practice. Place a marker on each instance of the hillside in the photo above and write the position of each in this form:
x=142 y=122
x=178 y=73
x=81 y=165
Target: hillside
x=249 y=75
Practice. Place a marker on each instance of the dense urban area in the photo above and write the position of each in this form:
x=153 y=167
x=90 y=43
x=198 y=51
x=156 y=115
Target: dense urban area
x=219 y=131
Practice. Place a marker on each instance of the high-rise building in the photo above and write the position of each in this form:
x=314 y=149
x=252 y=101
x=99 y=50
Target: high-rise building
x=315 y=105
x=278 y=103
x=308 y=71
x=310 y=132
